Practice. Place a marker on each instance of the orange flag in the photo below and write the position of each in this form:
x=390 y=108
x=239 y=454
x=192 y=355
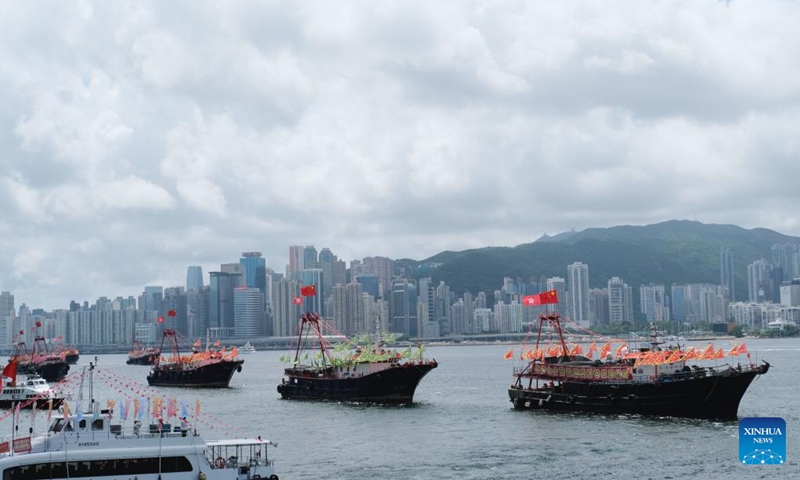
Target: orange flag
x=605 y=350
x=197 y=343
x=509 y=355
x=592 y=349
x=619 y=349
x=709 y=353
x=691 y=354
x=720 y=354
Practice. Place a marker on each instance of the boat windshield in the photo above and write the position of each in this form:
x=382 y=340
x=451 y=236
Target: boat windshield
x=57 y=425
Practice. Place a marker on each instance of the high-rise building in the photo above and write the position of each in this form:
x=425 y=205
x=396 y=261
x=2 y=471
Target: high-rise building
x=578 y=293
x=6 y=304
x=194 y=278
x=220 y=311
x=310 y=257
x=560 y=286
x=313 y=303
x=370 y=283
x=598 y=306
x=620 y=301
x=248 y=312
x=654 y=303
x=326 y=262
x=285 y=313
x=404 y=307
x=758 y=281
x=382 y=268
x=254 y=269
x=295 y=261
x=726 y=275
x=787 y=257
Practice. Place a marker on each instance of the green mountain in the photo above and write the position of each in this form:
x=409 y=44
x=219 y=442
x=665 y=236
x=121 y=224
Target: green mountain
x=676 y=251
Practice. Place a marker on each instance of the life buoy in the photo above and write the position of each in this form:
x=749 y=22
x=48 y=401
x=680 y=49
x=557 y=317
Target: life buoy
x=219 y=462
x=273 y=477
x=570 y=400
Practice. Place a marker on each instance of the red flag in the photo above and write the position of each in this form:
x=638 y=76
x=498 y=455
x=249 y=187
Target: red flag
x=298 y=300
x=10 y=371
x=509 y=355
x=22 y=332
x=197 y=343
x=548 y=297
x=308 y=290
x=160 y=320
x=172 y=313
x=38 y=323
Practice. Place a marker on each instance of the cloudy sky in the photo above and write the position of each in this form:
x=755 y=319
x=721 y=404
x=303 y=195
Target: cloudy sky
x=137 y=138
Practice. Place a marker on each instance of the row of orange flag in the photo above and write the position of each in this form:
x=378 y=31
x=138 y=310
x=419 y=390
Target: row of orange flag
x=641 y=358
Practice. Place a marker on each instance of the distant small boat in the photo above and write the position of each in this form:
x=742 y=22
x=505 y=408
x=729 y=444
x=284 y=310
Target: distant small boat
x=142 y=355
x=51 y=366
x=247 y=348
x=27 y=391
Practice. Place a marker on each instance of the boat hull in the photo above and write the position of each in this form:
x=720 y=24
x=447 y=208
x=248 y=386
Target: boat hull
x=72 y=358
x=41 y=403
x=149 y=359
x=395 y=385
x=215 y=375
x=708 y=397
x=50 y=371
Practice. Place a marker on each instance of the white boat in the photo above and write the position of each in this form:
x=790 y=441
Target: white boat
x=247 y=348
x=95 y=445
x=28 y=390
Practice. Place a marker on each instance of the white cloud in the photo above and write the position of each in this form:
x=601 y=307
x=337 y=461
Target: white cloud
x=185 y=133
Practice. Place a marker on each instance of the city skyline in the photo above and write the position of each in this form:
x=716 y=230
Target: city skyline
x=141 y=138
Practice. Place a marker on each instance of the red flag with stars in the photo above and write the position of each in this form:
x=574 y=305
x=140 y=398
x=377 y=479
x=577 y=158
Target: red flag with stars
x=308 y=290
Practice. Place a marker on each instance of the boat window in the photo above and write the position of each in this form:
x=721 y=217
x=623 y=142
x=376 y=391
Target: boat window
x=97 y=424
x=69 y=427
x=57 y=425
x=98 y=468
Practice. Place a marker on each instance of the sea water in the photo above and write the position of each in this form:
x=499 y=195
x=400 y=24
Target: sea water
x=462 y=425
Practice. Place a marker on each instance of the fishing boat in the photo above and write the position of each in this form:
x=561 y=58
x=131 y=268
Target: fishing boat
x=247 y=348
x=374 y=375
x=139 y=355
x=27 y=391
x=71 y=355
x=651 y=381
x=49 y=365
x=98 y=444
x=207 y=368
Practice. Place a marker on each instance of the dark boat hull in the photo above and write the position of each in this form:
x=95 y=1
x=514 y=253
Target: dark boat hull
x=215 y=375
x=41 y=403
x=51 y=371
x=709 y=397
x=72 y=358
x=149 y=359
x=394 y=385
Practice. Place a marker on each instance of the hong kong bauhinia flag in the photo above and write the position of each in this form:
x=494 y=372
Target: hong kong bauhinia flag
x=544 y=298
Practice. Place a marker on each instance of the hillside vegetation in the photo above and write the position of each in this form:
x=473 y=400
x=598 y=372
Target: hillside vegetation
x=677 y=251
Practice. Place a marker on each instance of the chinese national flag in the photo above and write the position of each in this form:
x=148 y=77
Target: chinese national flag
x=160 y=320
x=10 y=371
x=171 y=313
x=297 y=300
x=548 y=297
x=38 y=323
x=308 y=290
x=509 y=355
x=605 y=350
x=197 y=343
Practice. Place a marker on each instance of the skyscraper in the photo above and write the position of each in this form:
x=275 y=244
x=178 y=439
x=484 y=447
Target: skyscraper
x=194 y=278
x=726 y=272
x=254 y=268
x=758 y=281
x=295 y=261
x=248 y=312
x=578 y=278
x=620 y=303
x=220 y=311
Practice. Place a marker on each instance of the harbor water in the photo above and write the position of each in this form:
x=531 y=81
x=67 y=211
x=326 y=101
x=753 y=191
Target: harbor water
x=462 y=425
